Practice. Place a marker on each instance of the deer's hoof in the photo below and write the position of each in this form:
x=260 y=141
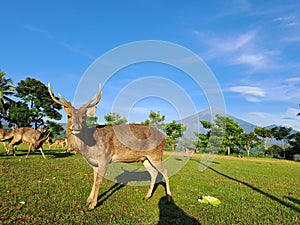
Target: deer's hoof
x=146 y=198
x=91 y=207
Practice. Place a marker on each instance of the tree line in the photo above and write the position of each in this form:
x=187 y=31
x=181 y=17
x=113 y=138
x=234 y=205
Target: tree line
x=28 y=104
x=229 y=137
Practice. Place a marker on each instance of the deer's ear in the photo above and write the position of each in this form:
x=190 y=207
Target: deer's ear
x=90 y=112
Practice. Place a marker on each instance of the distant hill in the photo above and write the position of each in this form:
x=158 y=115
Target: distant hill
x=209 y=115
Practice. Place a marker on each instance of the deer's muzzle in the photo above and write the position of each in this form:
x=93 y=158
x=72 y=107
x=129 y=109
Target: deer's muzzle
x=76 y=128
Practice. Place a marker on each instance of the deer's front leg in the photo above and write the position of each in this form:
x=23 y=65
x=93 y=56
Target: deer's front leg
x=98 y=177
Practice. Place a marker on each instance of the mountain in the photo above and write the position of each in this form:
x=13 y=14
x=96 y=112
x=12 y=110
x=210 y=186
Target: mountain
x=193 y=124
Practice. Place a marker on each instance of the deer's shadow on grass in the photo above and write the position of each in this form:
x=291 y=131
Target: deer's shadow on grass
x=272 y=197
x=170 y=213
x=50 y=153
x=124 y=179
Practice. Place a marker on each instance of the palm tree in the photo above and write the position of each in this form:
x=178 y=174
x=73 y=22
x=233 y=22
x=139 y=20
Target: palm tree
x=6 y=89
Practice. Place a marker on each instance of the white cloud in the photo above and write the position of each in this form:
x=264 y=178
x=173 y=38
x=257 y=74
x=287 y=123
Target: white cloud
x=236 y=43
x=286 y=18
x=287 y=21
x=55 y=40
x=251 y=94
x=288 y=118
x=293 y=39
x=254 y=60
x=240 y=49
x=293 y=80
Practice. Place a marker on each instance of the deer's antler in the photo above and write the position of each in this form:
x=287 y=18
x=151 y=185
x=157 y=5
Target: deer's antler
x=65 y=103
x=95 y=100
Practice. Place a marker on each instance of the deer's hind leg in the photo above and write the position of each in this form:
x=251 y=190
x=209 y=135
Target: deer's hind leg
x=160 y=167
x=13 y=143
x=153 y=173
x=29 y=149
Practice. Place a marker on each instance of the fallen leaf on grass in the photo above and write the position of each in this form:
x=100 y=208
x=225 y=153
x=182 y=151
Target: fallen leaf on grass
x=209 y=200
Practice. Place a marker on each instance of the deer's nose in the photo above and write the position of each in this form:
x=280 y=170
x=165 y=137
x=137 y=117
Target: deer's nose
x=76 y=127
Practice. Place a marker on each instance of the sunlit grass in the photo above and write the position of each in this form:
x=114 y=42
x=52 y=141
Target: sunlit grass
x=53 y=191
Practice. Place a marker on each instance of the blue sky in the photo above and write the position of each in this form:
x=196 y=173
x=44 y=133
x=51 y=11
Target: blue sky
x=252 y=48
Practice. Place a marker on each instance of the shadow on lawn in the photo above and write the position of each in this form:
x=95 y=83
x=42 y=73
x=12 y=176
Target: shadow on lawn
x=170 y=213
x=124 y=178
x=51 y=153
x=272 y=197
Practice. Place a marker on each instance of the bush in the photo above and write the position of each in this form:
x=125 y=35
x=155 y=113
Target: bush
x=297 y=157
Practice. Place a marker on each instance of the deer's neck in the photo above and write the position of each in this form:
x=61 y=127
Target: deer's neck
x=87 y=138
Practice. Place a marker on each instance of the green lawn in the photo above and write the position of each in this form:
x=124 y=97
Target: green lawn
x=53 y=191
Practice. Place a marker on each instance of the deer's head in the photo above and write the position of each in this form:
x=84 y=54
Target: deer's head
x=77 y=117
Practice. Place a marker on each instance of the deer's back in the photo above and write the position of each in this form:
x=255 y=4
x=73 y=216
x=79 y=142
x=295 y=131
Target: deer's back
x=131 y=137
x=27 y=134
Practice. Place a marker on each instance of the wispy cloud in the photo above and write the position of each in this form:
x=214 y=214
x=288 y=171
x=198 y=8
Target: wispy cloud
x=288 y=118
x=293 y=80
x=288 y=21
x=234 y=43
x=55 y=40
x=240 y=49
x=269 y=89
x=251 y=94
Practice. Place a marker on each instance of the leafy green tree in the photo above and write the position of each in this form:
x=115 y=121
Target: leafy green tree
x=6 y=90
x=174 y=131
x=264 y=134
x=282 y=134
x=56 y=129
x=91 y=121
x=274 y=149
x=113 y=119
x=40 y=105
x=216 y=139
x=249 y=141
x=19 y=114
x=231 y=130
x=203 y=138
x=295 y=145
x=155 y=120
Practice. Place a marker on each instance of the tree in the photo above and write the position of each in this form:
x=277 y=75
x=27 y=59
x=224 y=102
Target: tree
x=295 y=145
x=203 y=138
x=174 y=131
x=113 y=118
x=155 y=120
x=20 y=115
x=265 y=134
x=6 y=90
x=274 y=150
x=282 y=134
x=35 y=95
x=91 y=121
x=249 y=141
x=231 y=131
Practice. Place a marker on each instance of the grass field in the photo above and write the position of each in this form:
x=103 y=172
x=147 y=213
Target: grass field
x=54 y=191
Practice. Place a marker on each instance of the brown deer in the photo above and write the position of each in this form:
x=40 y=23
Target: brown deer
x=28 y=135
x=189 y=152
x=4 y=135
x=59 y=142
x=122 y=143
